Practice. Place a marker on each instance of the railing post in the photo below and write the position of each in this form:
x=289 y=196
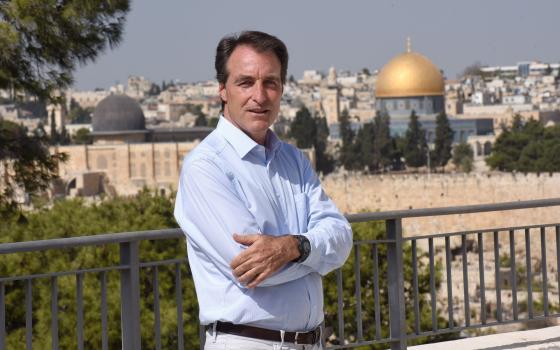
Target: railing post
x=130 y=296
x=395 y=277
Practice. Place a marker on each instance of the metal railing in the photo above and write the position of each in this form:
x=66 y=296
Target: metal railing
x=394 y=298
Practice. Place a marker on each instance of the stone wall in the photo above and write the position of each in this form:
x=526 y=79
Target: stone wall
x=357 y=193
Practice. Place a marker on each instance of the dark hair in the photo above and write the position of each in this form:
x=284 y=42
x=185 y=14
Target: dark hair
x=261 y=42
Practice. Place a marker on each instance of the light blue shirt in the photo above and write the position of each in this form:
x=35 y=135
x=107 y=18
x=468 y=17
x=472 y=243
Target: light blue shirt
x=230 y=184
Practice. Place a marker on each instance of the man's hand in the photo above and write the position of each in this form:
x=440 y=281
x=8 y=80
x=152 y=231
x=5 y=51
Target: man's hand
x=264 y=256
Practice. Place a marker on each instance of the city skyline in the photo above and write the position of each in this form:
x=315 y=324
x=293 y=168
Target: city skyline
x=177 y=41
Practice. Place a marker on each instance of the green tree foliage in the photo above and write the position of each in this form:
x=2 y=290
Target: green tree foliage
x=365 y=146
x=349 y=155
x=200 y=116
x=309 y=132
x=383 y=147
x=82 y=137
x=415 y=145
x=41 y=42
x=148 y=211
x=528 y=147
x=303 y=128
x=79 y=115
x=76 y=218
x=325 y=162
x=155 y=90
x=201 y=120
x=443 y=141
x=213 y=122
x=463 y=157
x=25 y=162
x=375 y=231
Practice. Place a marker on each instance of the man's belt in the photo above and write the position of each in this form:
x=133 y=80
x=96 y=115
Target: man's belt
x=308 y=338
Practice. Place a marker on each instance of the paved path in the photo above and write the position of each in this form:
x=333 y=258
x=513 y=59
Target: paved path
x=538 y=339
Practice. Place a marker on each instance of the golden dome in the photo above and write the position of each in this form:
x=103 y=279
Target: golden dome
x=409 y=74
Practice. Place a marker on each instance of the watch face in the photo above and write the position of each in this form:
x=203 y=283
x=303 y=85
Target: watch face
x=304 y=248
x=306 y=245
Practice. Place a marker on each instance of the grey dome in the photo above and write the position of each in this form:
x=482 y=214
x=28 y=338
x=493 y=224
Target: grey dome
x=118 y=113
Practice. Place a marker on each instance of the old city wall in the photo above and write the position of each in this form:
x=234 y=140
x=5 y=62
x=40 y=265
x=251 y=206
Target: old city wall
x=358 y=193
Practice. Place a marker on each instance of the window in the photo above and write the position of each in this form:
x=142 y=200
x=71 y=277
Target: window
x=101 y=162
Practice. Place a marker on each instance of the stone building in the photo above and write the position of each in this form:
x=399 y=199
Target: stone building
x=411 y=82
x=125 y=156
x=408 y=82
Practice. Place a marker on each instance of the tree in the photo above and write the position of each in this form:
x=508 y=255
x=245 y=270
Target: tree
x=76 y=217
x=77 y=114
x=383 y=144
x=41 y=42
x=415 y=145
x=347 y=155
x=443 y=141
x=82 y=137
x=26 y=164
x=154 y=90
x=325 y=162
x=463 y=157
x=472 y=70
x=213 y=122
x=201 y=120
x=365 y=143
x=303 y=128
x=527 y=147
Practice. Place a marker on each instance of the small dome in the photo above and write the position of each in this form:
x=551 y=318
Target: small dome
x=118 y=113
x=407 y=75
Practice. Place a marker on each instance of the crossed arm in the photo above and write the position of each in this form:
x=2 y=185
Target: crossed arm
x=218 y=223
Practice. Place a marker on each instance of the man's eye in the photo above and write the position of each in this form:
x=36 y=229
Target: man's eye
x=245 y=83
x=271 y=83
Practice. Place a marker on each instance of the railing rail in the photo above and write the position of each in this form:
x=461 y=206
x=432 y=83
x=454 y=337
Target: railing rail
x=393 y=246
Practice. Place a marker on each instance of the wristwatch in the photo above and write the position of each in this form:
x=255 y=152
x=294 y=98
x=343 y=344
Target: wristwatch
x=304 y=248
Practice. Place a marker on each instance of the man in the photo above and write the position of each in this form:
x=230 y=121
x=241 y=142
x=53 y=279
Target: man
x=260 y=230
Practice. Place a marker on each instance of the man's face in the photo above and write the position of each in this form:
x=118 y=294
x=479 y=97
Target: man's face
x=252 y=91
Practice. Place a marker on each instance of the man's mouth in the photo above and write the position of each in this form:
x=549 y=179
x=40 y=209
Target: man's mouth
x=258 y=111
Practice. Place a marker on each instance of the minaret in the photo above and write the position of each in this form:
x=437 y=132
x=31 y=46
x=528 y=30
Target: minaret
x=408 y=45
x=58 y=110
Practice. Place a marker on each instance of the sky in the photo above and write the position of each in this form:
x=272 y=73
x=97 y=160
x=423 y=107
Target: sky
x=176 y=40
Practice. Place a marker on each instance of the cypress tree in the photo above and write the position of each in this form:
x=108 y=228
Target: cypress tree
x=303 y=128
x=325 y=163
x=415 y=145
x=383 y=144
x=347 y=151
x=443 y=141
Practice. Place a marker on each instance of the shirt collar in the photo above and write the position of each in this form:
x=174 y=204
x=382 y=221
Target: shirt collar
x=242 y=143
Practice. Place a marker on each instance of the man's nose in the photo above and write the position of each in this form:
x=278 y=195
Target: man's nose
x=259 y=93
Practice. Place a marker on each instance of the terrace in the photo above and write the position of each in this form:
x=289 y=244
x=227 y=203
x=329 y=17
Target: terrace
x=393 y=292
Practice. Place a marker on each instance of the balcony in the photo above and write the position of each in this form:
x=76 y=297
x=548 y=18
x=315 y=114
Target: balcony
x=394 y=291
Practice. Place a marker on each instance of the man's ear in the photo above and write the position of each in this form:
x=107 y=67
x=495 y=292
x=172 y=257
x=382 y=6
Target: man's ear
x=222 y=91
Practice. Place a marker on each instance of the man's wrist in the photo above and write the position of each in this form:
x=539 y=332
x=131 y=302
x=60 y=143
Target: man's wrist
x=304 y=248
